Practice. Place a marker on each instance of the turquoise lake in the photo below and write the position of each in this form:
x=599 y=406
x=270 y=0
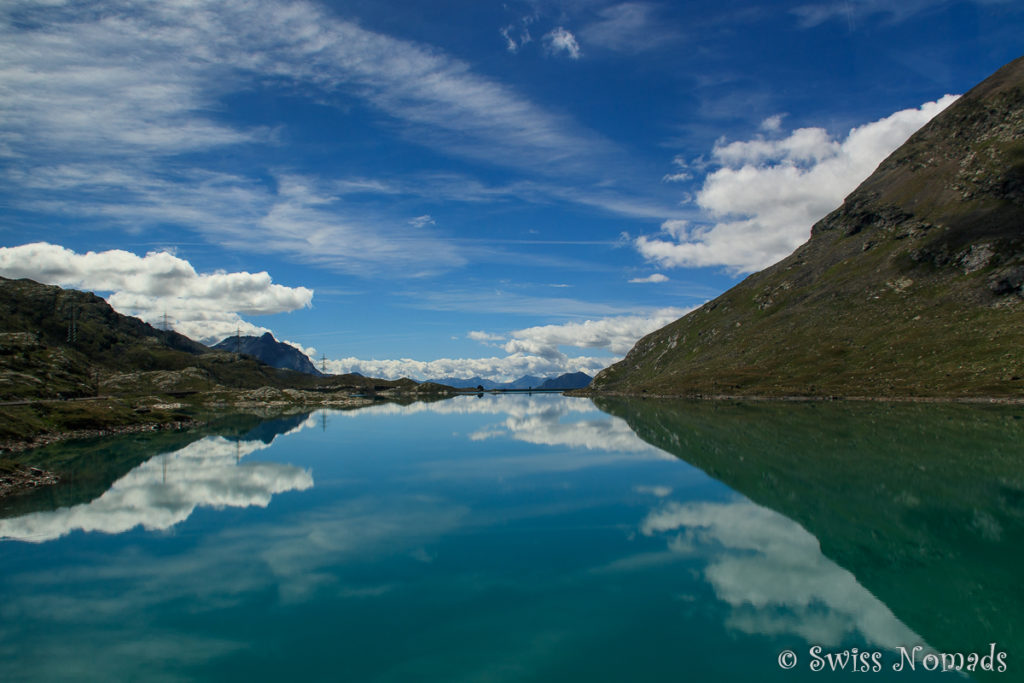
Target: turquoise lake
x=526 y=538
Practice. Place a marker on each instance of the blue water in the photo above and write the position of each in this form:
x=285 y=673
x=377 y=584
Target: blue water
x=502 y=538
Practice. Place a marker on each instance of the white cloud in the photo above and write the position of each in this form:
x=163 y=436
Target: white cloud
x=299 y=216
x=627 y=27
x=680 y=177
x=657 y=491
x=561 y=40
x=310 y=351
x=137 y=76
x=481 y=336
x=105 y=99
x=532 y=351
x=616 y=334
x=654 y=277
x=549 y=426
x=516 y=37
x=762 y=202
x=504 y=301
x=500 y=369
x=204 y=306
x=773 y=123
x=882 y=11
x=421 y=221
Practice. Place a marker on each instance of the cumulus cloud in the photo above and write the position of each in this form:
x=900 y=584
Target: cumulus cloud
x=561 y=40
x=536 y=350
x=654 y=277
x=497 y=368
x=204 y=306
x=481 y=336
x=772 y=123
x=762 y=201
x=616 y=334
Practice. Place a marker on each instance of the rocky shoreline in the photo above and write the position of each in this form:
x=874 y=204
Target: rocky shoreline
x=1004 y=400
x=22 y=429
x=19 y=478
x=18 y=446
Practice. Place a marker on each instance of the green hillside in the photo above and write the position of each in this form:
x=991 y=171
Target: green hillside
x=913 y=287
x=63 y=343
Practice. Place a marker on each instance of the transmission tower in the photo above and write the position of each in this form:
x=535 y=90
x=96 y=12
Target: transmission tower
x=73 y=324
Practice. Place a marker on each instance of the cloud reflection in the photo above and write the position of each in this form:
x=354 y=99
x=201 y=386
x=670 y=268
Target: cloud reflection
x=772 y=573
x=551 y=421
x=544 y=419
x=516 y=405
x=166 y=489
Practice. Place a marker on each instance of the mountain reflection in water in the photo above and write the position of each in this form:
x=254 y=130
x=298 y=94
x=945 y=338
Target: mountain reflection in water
x=167 y=488
x=527 y=538
x=922 y=503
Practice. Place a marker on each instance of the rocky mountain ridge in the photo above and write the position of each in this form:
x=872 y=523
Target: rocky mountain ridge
x=272 y=352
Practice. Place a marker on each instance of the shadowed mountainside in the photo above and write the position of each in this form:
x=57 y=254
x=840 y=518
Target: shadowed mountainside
x=270 y=351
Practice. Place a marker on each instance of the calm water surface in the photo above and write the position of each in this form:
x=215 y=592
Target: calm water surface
x=523 y=538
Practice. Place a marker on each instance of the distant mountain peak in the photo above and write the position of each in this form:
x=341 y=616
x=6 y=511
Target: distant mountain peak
x=272 y=352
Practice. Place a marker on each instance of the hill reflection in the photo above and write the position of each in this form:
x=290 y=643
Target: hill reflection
x=923 y=504
x=166 y=489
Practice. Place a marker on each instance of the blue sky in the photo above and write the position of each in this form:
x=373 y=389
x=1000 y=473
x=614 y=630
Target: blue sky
x=452 y=188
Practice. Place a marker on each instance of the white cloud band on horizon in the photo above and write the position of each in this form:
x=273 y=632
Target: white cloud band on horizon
x=204 y=306
x=532 y=351
x=616 y=334
x=761 y=203
x=496 y=368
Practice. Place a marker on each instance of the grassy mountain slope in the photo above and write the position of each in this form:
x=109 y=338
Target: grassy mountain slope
x=913 y=287
x=112 y=354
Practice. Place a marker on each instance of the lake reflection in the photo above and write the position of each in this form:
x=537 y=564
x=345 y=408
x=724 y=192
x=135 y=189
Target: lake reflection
x=166 y=489
x=503 y=538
